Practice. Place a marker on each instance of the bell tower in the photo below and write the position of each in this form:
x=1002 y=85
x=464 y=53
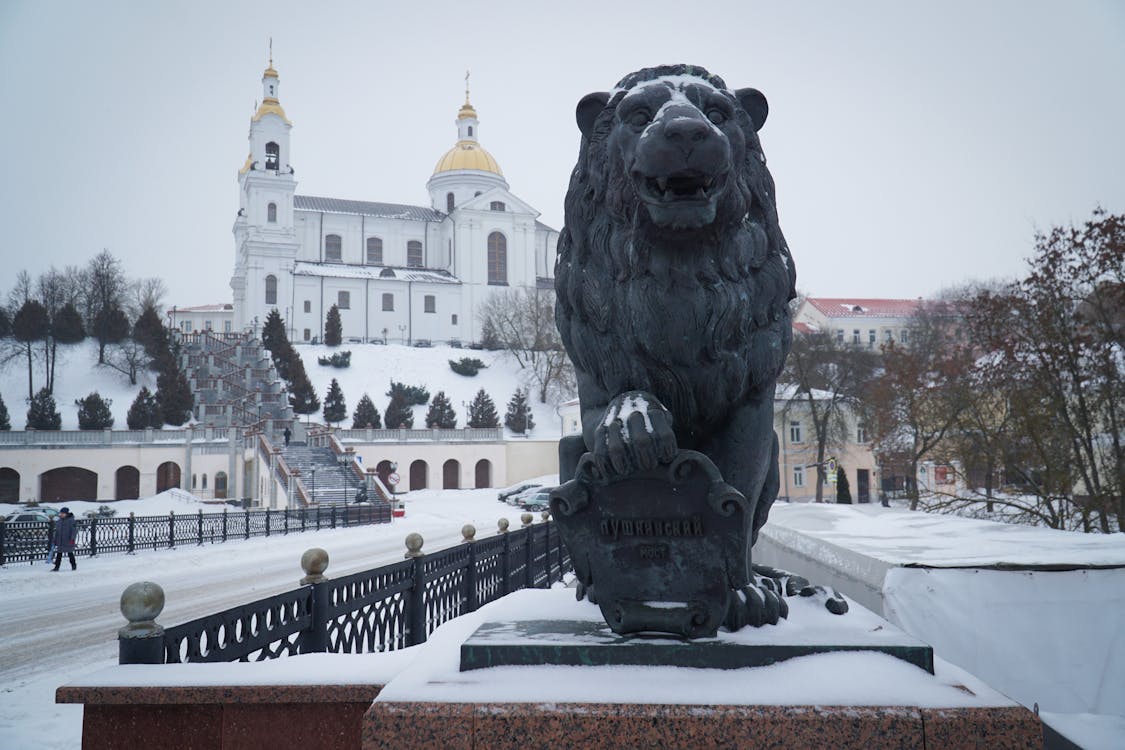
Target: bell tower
x=265 y=238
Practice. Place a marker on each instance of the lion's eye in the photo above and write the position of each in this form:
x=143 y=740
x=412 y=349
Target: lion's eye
x=639 y=118
x=717 y=116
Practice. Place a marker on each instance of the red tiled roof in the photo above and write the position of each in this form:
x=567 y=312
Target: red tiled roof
x=803 y=328
x=841 y=307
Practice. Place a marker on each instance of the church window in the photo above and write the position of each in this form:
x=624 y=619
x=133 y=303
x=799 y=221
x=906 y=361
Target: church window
x=453 y=319
x=226 y=326
x=207 y=326
x=374 y=251
x=496 y=206
x=308 y=334
x=430 y=303
x=308 y=306
x=271 y=290
x=332 y=248
x=497 y=259
x=414 y=254
x=344 y=300
x=271 y=213
x=470 y=131
x=273 y=156
x=449 y=203
x=388 y=302
x=387 y=273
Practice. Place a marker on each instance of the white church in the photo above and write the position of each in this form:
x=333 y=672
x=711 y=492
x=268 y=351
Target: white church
x=401 y=273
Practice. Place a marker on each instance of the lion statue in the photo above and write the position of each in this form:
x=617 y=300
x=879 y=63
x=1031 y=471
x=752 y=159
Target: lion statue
x=673 y=280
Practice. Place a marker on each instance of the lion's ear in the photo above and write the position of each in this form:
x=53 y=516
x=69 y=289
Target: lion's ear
x=755 y=104
x=588 y=110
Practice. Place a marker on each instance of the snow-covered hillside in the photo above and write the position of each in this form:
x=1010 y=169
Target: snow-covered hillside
x=372 y=369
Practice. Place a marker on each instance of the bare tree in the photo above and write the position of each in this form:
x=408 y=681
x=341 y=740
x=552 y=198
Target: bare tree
x=524 y=322
x=146 y=293
x=826 y=381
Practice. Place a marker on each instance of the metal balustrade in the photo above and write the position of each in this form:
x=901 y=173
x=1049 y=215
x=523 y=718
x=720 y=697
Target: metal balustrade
x=383 y=609
x=28 y=542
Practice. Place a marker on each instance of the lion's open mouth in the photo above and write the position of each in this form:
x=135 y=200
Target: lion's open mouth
x=681 y=187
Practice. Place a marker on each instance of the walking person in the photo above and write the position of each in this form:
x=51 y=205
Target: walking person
x=65 y=538
x=287 y=434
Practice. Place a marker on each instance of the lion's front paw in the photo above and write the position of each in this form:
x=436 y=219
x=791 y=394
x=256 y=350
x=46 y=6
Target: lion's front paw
x=636 y=433
x=760 y=603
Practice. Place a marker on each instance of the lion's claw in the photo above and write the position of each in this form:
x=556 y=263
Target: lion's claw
x=635 y=434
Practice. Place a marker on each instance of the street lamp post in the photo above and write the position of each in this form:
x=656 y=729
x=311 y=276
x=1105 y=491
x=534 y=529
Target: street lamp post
x=312 y=490
x=343 y=461
x=402 y=334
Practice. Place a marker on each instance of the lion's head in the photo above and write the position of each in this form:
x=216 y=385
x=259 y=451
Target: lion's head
x=673 y=274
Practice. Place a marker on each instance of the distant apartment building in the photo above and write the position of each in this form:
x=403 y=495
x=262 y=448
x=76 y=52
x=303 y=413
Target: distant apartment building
x=862 y=322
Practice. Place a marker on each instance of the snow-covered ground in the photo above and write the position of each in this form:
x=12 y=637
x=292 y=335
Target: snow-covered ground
x=372 y=368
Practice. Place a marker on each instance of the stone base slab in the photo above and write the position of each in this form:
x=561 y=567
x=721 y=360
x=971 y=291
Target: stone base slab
x=584 y=643
x=599 y=726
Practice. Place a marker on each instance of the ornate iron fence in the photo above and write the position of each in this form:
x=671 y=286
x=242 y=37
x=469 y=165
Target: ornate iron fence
x=31 y=541
x=387 y=608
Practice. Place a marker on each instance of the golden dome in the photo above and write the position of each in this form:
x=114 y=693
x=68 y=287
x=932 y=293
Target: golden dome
x=270 y=106
x=467 y=155
x=466 y=111
x=270 y=72
x=246 y=166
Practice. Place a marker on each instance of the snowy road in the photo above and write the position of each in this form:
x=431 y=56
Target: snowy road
x=57 y=626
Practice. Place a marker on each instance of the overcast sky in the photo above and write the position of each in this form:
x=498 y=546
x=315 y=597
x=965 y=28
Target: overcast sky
x=913 y=145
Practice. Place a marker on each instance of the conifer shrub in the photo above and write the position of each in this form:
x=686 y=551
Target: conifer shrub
x=843 y=489
x=42 y=413
x=335 y=409
x=467 y=366
x=5 y=421
x=412 y=395
x=441 y=414
x=339 y=360
x=366 y=416
x=399 y=414
x=144 y=412
x=482 y=411
x=518 y=418
x=94 y=413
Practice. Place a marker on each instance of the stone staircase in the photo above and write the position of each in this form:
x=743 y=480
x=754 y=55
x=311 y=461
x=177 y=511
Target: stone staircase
x=233 y=381
x=332 y=484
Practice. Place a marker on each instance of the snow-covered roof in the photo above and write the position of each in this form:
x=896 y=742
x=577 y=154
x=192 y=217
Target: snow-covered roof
x=380 y=273
x=218 y=307
x=543 y=227
x=847 y=307
x=366 y=208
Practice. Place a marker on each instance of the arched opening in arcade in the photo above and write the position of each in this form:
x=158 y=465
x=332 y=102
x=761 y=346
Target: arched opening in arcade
x=167 y=476
x=483 y=474
x=451 y=475
x=418 y=475
x=9 y=485
x=220 y=485
x=383 y=470
x=127 y=483
x=68 y=483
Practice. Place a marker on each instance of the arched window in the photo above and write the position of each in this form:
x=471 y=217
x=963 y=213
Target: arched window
x=374 y=251
x=387 y=273
x=418 y=475
x=271 y=290
x=470 y=131
x=483 y=473
x=332 y=247
x=273 y=156
x=449 y=203
x=220 y=485
x=451 y=475
x=271 y=213
x=204 y=481
x=497 y=259
x=414 y=254
x=388 y=302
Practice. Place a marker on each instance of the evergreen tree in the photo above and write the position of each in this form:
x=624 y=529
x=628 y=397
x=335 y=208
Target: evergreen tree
x=149 y=332
x=67 y=327
x=843 y=489
x=110 y=326
x=482 y=411
x=145 y=412
x=42 y=414
x=173 y=392
x=333 y=327
x=518 y=419
x=302 y=396
x=5 y=324
x=94 y=413
x=274 y=337
x=335 y=410
x=366 y=415
x=441 y=413
x=31 y=324
x=399 y=414
x=5 y=422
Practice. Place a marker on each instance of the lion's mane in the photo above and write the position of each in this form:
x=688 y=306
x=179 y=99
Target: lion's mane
x=705 y=330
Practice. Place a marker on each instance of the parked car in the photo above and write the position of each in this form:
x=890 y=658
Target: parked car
x=515 y=489
x=539 y=500
x=26 y=531
x=422 y=343
x=520 y=498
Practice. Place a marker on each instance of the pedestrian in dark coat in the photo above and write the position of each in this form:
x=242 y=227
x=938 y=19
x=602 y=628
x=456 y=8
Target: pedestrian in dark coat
x=65 y=538
x=288 y=434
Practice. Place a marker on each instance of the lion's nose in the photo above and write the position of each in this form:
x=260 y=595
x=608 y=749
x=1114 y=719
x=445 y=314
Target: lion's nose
x=685 y=130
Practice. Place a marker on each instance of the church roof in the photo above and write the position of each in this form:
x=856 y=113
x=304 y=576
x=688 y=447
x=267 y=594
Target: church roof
x=378 y=273
x=467 y=154
x=366 y=208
